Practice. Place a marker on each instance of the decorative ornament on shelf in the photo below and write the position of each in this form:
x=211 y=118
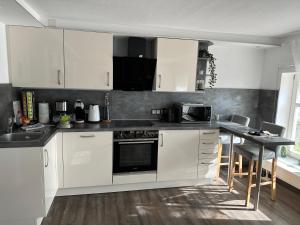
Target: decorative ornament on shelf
x=203 y=53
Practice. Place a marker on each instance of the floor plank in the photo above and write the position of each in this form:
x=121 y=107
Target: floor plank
x=206 y=204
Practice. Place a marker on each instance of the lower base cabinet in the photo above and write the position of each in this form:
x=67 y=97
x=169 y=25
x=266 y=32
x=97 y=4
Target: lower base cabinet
x=87 y=159
x=28 y=182
x=177 y=155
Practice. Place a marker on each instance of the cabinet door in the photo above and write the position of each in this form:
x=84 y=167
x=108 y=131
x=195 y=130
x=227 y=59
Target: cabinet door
x=35 y=57
x=87 y=159
x=177 y=155
x=88 y=60
x=176 y=65
x=50 y=172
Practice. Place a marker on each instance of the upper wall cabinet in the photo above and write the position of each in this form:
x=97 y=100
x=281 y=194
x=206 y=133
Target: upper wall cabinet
x=35 y=57
x=88 y=60
x=176 y=65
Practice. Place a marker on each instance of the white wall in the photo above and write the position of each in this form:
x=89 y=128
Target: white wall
x=4 y=77
x=238 y=66
x=276 y=61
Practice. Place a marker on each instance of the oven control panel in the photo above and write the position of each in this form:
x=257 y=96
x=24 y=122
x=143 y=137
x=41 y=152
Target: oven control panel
x=136 y=134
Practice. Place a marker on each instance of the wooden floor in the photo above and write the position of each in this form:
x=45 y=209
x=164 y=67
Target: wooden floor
x=199 y=205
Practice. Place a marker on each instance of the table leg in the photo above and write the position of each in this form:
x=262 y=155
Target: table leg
x=258 y=178
x=230 y=158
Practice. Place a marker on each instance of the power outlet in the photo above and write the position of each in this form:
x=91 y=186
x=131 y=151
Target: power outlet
x=155 y=111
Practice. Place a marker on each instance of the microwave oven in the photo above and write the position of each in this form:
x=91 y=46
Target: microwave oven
x=193 y=113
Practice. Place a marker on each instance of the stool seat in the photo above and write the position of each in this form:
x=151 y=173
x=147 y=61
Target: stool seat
x=224 y=139
x=251 y=152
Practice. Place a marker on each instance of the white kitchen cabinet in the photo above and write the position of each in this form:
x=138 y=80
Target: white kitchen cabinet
x=35 y=57
x=87 y=159
x=177 y=155
x=176 y=65
x=50 y=172
x=88 y=60
x=28 y=181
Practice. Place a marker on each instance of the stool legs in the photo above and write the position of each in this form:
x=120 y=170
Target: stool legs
x=241 y=165
x=249 y=184
x=273 y=180
x=219 y=160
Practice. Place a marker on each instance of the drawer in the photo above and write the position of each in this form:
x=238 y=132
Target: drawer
x=209 y=135
x=208 y=155
x=208 y=161
x=207 y=171
x=208 y=144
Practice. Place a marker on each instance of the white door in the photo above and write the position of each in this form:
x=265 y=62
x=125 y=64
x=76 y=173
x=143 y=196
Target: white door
x=50 y=172
x=177 y=155
x=88 y=60
x=87 y=159
x=176 y=65
x=35 y=57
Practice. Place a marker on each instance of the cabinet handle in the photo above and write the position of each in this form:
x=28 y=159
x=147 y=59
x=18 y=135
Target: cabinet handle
x=159 y=81
x=209 y=132
x=206 y=163
x=58 y=77
x=208 y=143
x=206 y=153
x=47 y=158
x=107 y=82
x=162 y=140
x=87 y=136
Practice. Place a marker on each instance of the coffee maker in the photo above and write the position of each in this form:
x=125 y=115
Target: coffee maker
x=79 y=111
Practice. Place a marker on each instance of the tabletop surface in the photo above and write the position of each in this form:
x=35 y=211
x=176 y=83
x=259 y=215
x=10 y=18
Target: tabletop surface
x=242 y=131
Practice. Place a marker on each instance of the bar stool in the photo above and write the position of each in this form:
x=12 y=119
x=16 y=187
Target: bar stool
x=225 y=140
x=251 y=152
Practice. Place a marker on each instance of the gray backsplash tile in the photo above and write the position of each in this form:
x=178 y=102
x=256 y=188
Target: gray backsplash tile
x=138 y=105
x=5 y=104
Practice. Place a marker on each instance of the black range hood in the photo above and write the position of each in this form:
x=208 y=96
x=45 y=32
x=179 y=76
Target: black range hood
x=135 y=71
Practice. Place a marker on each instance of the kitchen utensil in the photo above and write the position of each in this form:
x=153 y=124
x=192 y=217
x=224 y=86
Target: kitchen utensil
x=94 y=113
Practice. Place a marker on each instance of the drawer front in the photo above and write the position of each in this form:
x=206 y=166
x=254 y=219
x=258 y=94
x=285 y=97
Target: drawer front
x=207 y=168
x=208 y=144
x=209 y=134
x=208 y=155
x=207 y=171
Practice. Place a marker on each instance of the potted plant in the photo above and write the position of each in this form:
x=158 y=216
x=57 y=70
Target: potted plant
x=203 y=53
x=283 y=151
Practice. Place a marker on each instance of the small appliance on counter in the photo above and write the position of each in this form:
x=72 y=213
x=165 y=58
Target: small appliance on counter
x=44 y=112
x=61 y=117
x=193 y=113
x=79 y=111
x=94 y=114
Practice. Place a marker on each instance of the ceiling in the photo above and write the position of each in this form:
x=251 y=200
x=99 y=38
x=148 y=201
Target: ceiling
x=236 y=18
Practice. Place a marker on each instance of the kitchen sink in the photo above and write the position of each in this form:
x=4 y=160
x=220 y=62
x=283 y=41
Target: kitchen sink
x=21 y=137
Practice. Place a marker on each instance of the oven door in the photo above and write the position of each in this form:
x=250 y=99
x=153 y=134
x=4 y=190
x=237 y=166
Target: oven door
x=135 y=155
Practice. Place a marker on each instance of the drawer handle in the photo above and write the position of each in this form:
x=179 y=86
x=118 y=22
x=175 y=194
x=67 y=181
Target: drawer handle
x=87 y=136
x=206 y=153
x=213 y=132
x=208 y=143
x=203 y=163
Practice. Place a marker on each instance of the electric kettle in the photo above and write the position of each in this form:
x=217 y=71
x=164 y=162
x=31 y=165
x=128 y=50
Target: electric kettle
x=94 y=113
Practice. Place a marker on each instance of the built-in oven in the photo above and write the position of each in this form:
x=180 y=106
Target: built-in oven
x=135 y=151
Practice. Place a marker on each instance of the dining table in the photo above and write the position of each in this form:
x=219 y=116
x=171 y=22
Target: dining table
x=237 y=130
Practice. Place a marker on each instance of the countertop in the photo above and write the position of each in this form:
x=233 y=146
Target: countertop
x=117 y=125
x=121 y=125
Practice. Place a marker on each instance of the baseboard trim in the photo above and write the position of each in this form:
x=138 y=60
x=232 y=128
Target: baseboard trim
x=130 y=187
